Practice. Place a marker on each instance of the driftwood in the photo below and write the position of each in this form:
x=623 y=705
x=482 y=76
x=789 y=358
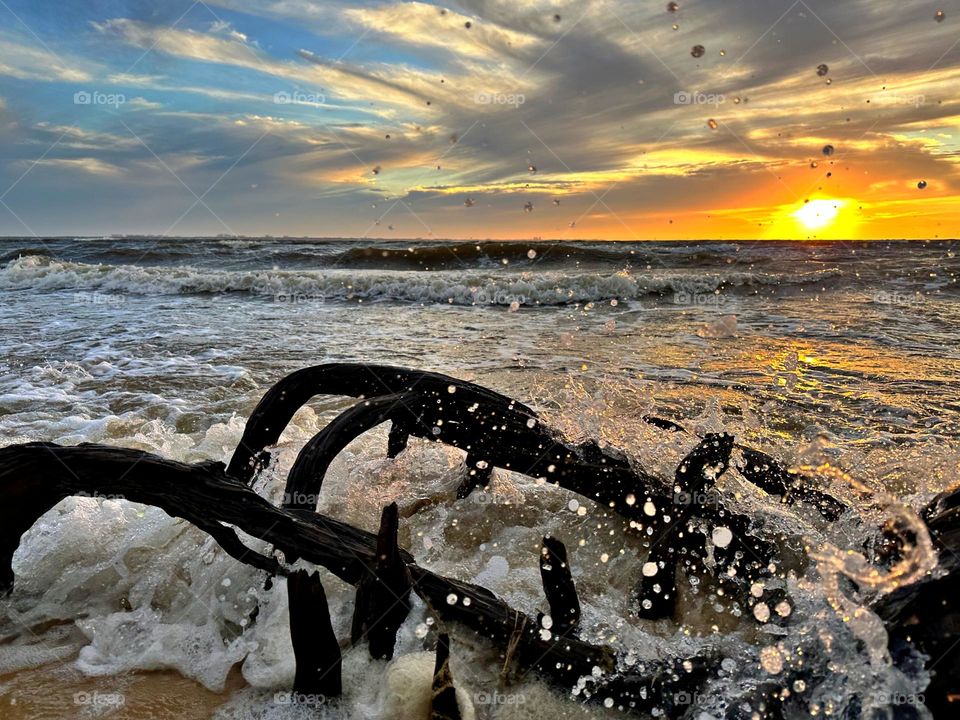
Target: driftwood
x=559 y=588
x=443 y=704
x=35 y=476
x=315 y=645
x=383 y=594
x=494 y=431
x=678 y=527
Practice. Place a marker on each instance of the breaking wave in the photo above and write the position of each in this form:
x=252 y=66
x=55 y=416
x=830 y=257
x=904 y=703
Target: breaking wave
x=460 y=287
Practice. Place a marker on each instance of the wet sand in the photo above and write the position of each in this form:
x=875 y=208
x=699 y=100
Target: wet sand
x=60 y=692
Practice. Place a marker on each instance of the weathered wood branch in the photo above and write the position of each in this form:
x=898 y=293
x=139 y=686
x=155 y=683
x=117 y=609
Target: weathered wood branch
x=36 y=476
x=315 y=645
x=559 y=588
x=657 y=590
x=383 y=594
x=443 y=704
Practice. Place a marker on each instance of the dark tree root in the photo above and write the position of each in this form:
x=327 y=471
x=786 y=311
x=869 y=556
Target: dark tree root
x=36 y=476
x=492 y=429
x=383 y=595
x=315 y=645
x=443 y=704
x=657 y=590
x=559 y=588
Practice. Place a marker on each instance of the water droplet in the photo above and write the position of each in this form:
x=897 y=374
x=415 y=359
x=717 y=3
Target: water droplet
x=608 y=702
x=531 y=423
x=649 y=508
x=452 y=599
x=531 y=254
x=469 y=202
x=771 y=660
x=722 y=537
x=546 y=622
x=451 y=389
x=604 y=557
x=528 y=207
x=376 y=170
x=514 y=306
x=573 y=505
x=828 y=150
x=761 y=612
x=712 y=124
x=822 y=69
x=468 y=24
x=939 y=16
x=922 y=184
x=650 y=569
x=675 y=26
x=698 y=51
x=556 y=202
x=631 y=499
x=673 y=6
x=531 y=168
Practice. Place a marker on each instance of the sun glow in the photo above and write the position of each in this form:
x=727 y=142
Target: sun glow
x=818 y=214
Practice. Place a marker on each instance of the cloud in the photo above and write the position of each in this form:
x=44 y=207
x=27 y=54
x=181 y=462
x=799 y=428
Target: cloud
x=32 y=62
x=89 y=165
x=143 y=104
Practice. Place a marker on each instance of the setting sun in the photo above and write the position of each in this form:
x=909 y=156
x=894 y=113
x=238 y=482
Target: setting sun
x=818 y=214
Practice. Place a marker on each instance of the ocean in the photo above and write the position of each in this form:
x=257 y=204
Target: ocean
x=839 y=352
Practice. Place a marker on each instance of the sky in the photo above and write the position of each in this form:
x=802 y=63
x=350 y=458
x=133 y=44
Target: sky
x=593 y=119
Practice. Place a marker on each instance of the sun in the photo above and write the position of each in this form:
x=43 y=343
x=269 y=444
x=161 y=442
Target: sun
x=818 y=214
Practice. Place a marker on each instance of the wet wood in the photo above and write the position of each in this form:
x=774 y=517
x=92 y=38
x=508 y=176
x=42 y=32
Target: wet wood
x=559 y=588
x=656 y=591
x=383 y=594
x=36 y=476
x=443 y=704
x=315 y=645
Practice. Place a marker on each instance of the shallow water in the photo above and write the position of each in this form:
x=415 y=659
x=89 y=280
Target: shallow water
x=840 y=352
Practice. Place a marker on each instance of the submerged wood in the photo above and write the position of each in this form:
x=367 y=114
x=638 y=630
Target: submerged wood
x=443 y=704
x=383 y=594
x=559 y=588
x=36 y=476
x=315 y=645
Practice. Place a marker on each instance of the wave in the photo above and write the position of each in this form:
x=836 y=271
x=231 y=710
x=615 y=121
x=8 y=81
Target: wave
x=468 y=287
